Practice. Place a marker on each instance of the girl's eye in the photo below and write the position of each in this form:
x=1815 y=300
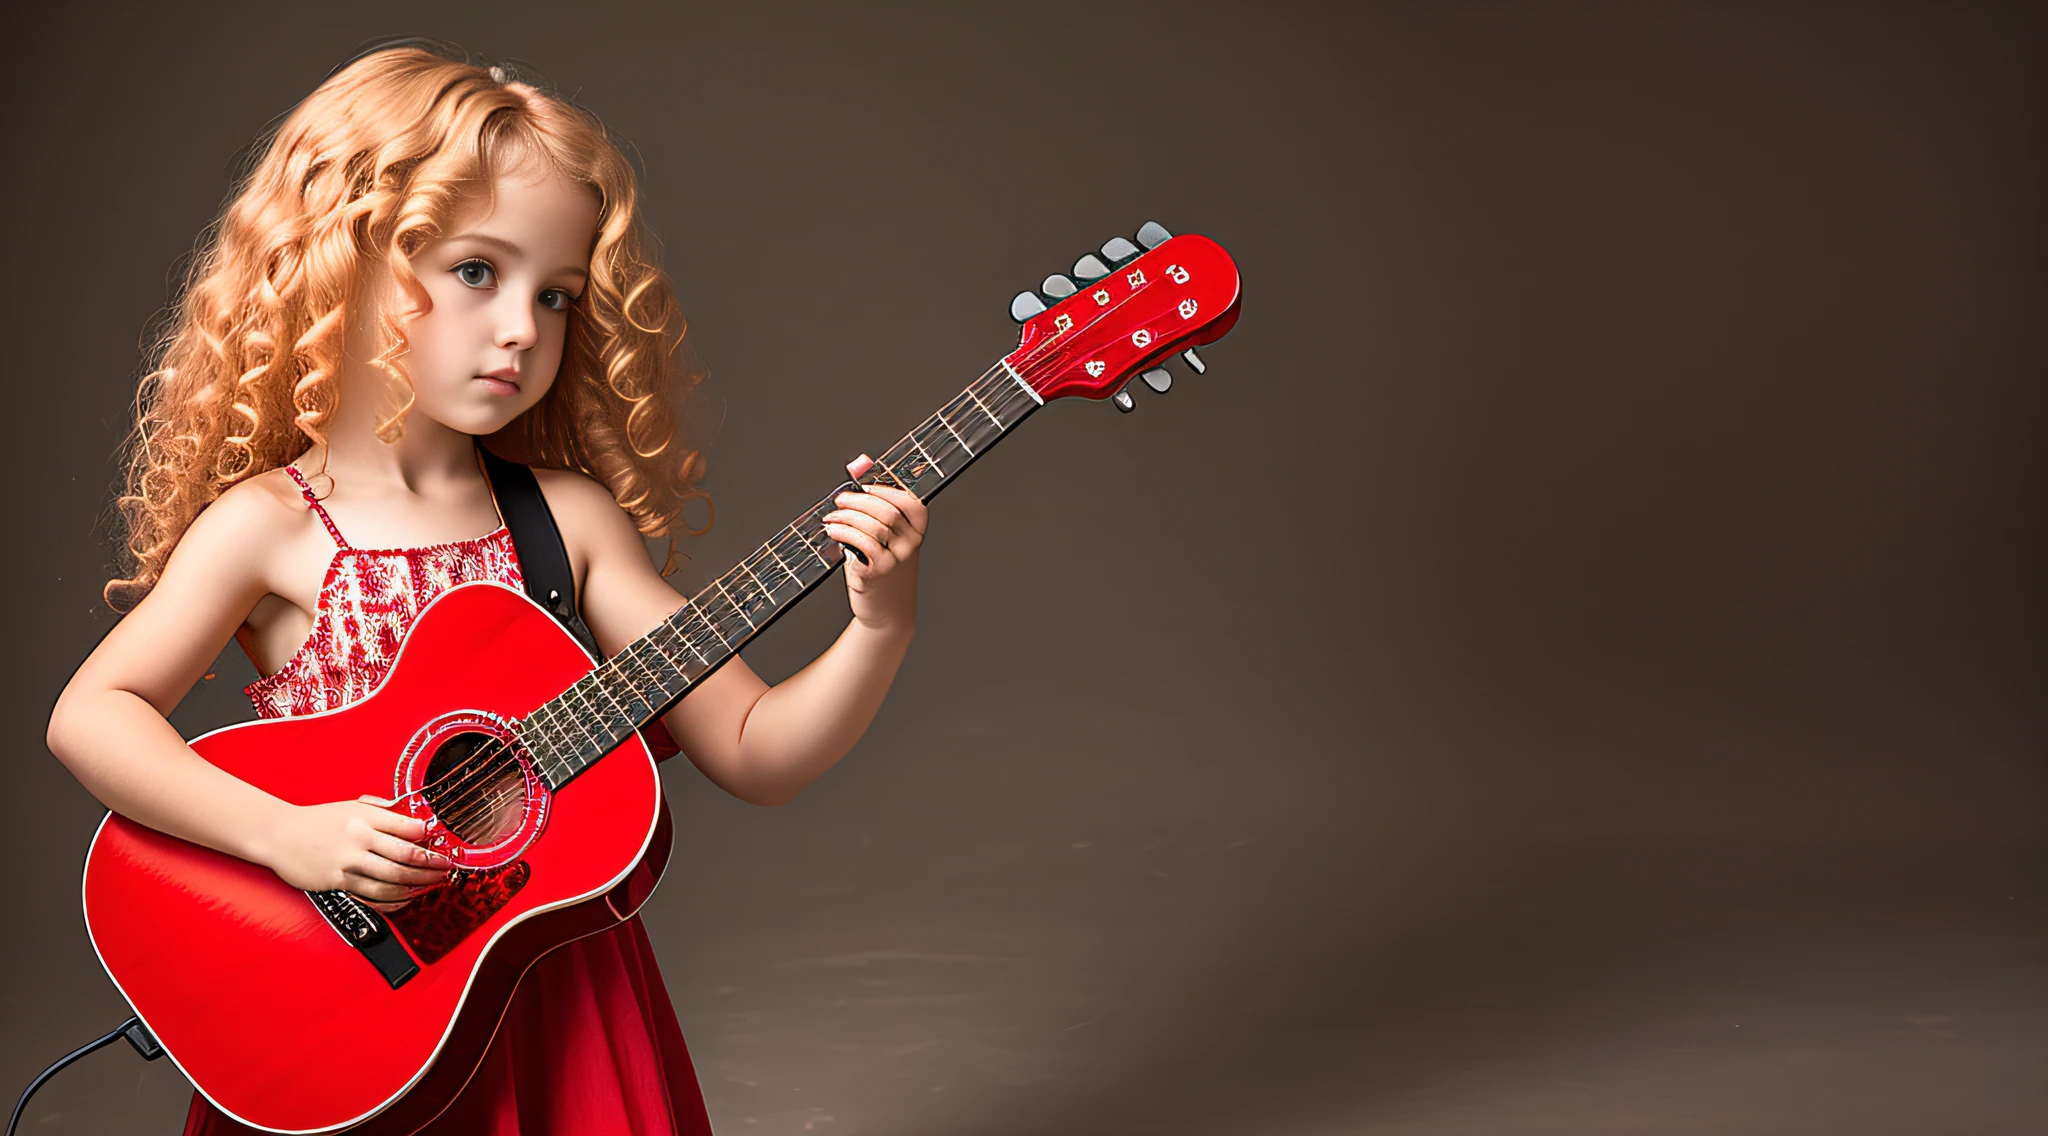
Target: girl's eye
x=480 y=274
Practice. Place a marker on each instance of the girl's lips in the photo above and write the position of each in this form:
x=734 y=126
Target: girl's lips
x=497 y=385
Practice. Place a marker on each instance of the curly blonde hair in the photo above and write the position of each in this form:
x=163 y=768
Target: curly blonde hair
x=370 y=167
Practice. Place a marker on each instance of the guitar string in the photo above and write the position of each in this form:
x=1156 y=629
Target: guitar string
x=479 y=793
x=475 y=791
x=632 y=665
x=473 y=794
x=476 y=795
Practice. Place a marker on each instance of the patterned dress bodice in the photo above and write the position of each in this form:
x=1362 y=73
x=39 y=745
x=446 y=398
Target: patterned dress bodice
x=368 y=601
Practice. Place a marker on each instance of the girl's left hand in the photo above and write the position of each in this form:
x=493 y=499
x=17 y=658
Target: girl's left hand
x=887 y=525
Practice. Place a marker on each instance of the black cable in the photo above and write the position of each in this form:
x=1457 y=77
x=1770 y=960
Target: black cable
x=138 y=1035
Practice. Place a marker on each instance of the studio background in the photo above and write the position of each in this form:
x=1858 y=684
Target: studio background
x=1572 y=665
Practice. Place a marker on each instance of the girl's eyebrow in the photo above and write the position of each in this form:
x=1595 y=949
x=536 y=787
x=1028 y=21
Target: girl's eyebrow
x=511 y=249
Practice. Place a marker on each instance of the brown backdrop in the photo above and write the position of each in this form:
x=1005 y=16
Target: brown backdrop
x=1573 y=665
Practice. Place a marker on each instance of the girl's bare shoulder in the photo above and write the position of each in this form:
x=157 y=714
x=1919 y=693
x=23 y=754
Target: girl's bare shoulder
x=577 y=492
x=250 y=522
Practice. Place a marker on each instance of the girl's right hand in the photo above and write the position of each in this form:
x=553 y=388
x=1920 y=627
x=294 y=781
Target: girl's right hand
x=356 y=846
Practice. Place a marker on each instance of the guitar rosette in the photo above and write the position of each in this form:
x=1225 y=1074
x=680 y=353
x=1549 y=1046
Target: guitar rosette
x=468 y=777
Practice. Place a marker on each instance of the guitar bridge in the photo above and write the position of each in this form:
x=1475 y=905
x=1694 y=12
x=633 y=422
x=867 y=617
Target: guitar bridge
x=440 y=918
x=364 y=928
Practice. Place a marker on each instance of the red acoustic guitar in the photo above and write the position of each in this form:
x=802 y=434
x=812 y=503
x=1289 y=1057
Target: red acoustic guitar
x=532 y=778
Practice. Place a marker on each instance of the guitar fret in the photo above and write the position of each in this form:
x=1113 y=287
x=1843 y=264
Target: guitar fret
x=775 y=554
x=720 y=585
x=648 y=671
x=969 y=419
x=594 y=696
x=623 y=722
x=582 y=727
x=813 y=548
x=656 y=675
x=640 y=683
x=917 y=465
x=581 y=721
x=1026 y=387
x=691 y=608
x=571 y=701
x=671 y=675
x=758 y=583
x=939 y=443
x=984 y=408
x=994 y=402
x=808 y=564
x=883 y=468
x=1010 y=399
x=906 y=467
x=662 y=675
x=755 y=602
x=551 y=729
x=537 y=735
x=570 y=764
x=702 y=638
x=962 y=442
x=649 y=682
x=730 y=634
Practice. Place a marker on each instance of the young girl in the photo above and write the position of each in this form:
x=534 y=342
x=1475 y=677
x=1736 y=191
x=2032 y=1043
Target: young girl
x=429 y=256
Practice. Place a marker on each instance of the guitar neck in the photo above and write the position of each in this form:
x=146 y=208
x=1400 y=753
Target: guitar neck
x=602 y=709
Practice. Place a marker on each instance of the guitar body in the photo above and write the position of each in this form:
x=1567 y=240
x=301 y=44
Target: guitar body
x=277 y=1018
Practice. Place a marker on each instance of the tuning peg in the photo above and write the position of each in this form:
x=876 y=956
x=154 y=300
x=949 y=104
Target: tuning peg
x=1194 y=362
x=1058 y=286
x=1159 y=379
x=1118 y=250
x=1123 y=401
x=1026 y=305
x=1153 y=235
x=1090 y=268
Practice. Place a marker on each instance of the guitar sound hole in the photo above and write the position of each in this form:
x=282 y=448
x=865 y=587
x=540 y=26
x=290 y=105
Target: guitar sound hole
x=477 y=786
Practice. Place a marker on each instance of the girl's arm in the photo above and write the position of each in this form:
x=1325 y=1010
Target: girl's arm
x=762 y=744
x=109 y=726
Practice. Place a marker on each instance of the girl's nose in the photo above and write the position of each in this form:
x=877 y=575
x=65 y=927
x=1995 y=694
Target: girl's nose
x=516 y=326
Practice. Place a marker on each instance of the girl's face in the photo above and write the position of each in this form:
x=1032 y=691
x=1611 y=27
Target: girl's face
x=500 y=285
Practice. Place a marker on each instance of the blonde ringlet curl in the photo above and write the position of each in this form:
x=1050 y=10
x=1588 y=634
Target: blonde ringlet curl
x=368 y=170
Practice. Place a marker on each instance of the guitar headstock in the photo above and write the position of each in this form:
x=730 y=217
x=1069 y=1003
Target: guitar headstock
x=1121 y=312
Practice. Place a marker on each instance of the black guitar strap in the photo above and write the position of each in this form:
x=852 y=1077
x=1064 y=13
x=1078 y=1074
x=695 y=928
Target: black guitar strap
x=550 y=581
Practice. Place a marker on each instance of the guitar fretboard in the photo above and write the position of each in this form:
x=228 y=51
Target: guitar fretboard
x=604 y=708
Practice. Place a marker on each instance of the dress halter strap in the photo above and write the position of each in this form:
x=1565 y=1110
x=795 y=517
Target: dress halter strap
x=313 y=503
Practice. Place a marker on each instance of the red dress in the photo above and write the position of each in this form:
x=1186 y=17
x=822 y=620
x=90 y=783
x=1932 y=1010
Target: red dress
x=589 y=1045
